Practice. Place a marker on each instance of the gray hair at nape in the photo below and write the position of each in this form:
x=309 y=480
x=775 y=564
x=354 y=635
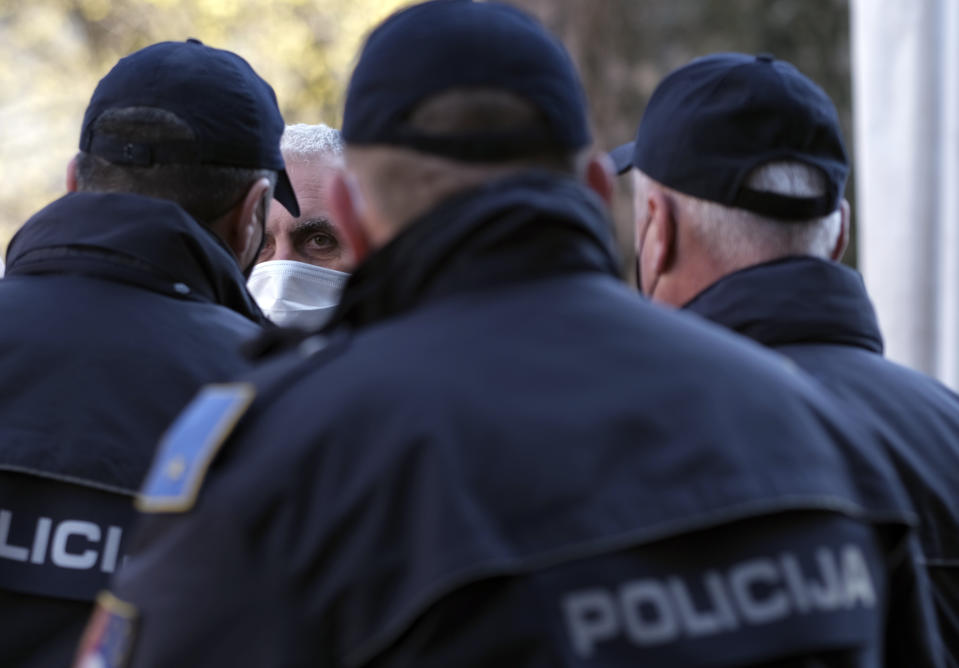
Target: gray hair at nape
x=306 y=142
x=736 y=237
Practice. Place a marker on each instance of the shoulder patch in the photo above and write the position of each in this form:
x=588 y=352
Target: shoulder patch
x=189 y=445
x=109 y=635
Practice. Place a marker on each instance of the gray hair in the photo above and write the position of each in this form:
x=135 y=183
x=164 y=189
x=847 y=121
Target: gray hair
x=310 y=141
x=737 y=236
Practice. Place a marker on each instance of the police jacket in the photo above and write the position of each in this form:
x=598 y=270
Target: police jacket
x=115 y=309
x=818 y=314
x=503 y=456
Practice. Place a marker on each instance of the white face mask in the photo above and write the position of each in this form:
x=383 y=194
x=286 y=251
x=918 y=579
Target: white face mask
x=296 y=293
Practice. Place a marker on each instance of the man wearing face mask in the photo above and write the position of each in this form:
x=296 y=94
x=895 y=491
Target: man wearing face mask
x=302 y=266
x=739 y=167
x=120 y=300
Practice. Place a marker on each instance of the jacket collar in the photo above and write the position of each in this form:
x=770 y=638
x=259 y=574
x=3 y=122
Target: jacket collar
x=518 y=228
x=793 y=300
x=151 y=243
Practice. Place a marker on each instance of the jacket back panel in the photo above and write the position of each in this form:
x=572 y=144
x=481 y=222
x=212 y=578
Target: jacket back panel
x=94 y=371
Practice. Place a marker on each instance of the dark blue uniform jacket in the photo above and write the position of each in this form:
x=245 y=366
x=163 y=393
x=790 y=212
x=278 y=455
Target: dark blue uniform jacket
x=115 y=309
x=818 y=314
x=503 y=456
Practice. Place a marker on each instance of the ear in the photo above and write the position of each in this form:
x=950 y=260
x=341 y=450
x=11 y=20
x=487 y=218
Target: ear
x=346 y=209
x=246 y=229
x=599 y=177
x=843 y=239
x=72 y=175
x=655 y=242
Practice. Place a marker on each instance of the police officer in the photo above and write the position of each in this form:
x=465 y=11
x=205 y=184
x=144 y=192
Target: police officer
x=120 y=300
x=496 y=454
x=740 y=218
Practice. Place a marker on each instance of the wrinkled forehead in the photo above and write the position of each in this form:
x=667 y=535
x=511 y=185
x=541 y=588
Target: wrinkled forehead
x=309 y=178
x=311 y=172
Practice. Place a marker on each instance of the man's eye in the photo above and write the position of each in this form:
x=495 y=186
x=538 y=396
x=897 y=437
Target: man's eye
x=322 y=242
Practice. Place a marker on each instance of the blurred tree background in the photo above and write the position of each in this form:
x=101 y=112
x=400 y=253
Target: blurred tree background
x=54 y=52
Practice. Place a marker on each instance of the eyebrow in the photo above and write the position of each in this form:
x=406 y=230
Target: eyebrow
x=313 y=225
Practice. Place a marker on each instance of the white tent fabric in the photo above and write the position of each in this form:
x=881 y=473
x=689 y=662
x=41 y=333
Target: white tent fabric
x=906 y=106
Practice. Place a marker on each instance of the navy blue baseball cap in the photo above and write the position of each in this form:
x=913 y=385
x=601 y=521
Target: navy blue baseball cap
x=232 y=111
x=712 y=122
x=438 y=46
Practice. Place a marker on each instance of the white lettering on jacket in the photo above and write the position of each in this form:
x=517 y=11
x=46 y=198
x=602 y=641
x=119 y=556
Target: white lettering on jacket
x=52 y=542
x=658 y=610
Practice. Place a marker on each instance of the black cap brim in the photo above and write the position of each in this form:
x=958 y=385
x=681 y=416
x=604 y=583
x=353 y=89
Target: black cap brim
x=622 y=157
x=283 y=193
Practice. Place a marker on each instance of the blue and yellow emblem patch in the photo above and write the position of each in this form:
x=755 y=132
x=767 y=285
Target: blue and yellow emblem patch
x=188 y=447
x=109 y=635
